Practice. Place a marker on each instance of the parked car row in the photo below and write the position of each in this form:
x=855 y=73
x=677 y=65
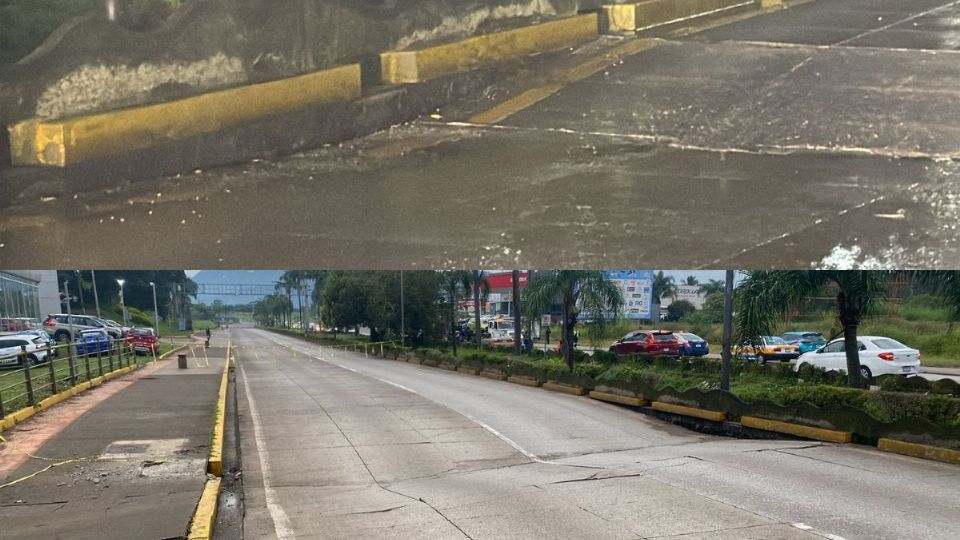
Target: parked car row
x=878 y=355
x=64 y=327
x=39 y=344
x=661 y=343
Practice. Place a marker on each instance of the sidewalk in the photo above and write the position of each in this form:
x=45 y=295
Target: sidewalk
x=131 y=467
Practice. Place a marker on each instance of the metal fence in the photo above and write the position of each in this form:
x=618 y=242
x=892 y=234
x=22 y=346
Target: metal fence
x=33 y=381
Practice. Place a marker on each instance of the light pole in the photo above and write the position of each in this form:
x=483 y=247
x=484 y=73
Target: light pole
x=156 y=314
x=727 y=331
x=123 y=307
x=96 y=299
x=83 y=305
x=402 y=325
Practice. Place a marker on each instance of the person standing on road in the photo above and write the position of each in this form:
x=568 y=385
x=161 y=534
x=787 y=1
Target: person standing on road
x=547 y=336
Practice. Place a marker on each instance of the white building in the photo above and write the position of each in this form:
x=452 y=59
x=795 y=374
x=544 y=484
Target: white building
x=27 y=295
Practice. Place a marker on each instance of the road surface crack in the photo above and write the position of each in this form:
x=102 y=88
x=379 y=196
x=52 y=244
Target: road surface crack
x=382 y=511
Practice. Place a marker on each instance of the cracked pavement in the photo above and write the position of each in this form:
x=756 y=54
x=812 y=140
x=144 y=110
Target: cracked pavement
x=824 y=135
x=338 y=445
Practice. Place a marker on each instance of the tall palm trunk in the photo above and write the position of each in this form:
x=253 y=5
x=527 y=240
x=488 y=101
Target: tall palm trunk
x=453 y=325
x=850 y=319
x=476 y=307
x=568 y=321
x=516 y=313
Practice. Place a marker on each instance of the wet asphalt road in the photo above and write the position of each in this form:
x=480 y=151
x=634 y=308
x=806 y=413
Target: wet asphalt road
x=825 y=135
x=339 y=445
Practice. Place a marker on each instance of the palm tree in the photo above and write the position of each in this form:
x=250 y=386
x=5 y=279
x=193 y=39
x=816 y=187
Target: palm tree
x=481 y=287
x=767 y=296
x=664 y=286
x=454 y=285
x=691 y=281
x=587 y=290
x=712 y=286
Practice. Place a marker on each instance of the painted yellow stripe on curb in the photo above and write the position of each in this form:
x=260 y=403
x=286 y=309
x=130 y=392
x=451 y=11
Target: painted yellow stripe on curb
x=494 y=376
x=716 y=416
x=63 y=142
x=205 y=516
x=526 y=381
x=808 y=432
x=617 y=398
x=561 y=79
x=398 y=67
x=215 y=461
x=467 y=370
x=919 y=450
x=557 y=387
x=19 y=416
x=649 y=13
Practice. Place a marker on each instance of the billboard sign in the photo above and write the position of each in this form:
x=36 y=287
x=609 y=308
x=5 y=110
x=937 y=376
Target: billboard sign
x=637 y=288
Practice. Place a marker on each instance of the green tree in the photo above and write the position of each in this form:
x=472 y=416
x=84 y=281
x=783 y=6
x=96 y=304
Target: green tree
x=455 y=285
x=589 y=291
x=766 y=297
x=664 y=286
x=712 y=286
x=691 y=281
x=679 y=309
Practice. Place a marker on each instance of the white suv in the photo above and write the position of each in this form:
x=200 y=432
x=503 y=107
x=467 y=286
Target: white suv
x=878 y=356
x=11 y=347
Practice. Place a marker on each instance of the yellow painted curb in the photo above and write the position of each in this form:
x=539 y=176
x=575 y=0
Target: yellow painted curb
x=617 y=398
x=215 y=461
x=64 y=142
x=808 y=432
x=399 y=67
x=640 y=15
x=767 y=4
x=919 y=450
x=526 y=381
x=557 y=387
x=19 y=416
x=468 y=370
x=205 y=516
x=716 y=416
x=171 y=351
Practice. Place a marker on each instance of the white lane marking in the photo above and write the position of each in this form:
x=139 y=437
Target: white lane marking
x=281 y=522
x=808 y=528
x=391 y=383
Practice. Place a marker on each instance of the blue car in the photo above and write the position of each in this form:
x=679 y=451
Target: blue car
x=93 y=341
x=692 y=344
x=806 y=341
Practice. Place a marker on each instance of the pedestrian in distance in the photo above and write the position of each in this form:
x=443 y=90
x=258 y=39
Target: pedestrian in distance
x=547 y=336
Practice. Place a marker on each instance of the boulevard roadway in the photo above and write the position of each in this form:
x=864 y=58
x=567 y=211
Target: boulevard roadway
x=338 y=445
x=822 y=135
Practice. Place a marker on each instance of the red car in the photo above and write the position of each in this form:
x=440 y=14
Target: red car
x=657 y=342
x=143 y=340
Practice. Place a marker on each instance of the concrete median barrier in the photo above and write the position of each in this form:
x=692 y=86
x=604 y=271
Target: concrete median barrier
x=716 y=416
x=564 y=388
x=526 y=381
x=808 y=432
x=616 y=18
x=924 y=451
x=64 y=142
x=617 y=398
x=398 y=67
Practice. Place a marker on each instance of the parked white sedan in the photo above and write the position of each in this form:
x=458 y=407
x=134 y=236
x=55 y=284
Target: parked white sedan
x=11 y=348
x=878 y=356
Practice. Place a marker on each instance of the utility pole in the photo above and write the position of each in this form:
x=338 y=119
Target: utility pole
x=517 y=328
x=96 y=299
x=476 y=307
x=83 y=305
x=727 y=332
x=123 y=306
x=156 y=313
x=402 y=322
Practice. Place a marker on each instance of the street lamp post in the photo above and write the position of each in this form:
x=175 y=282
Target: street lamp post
x=156 y=314
x=123 y=307
x=96 y=299
x=402 y=322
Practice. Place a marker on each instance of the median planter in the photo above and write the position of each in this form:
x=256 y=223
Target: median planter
x=524 y=380
x=494 y=374
x=468 y=370
x=617 y=398
x=556 y=386
x=447 y=365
